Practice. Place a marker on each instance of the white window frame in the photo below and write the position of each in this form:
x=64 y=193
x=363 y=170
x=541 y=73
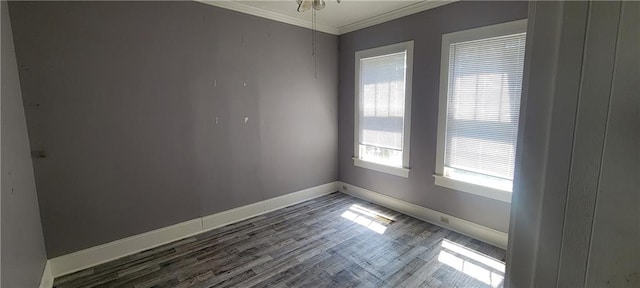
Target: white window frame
x=497 y=30
x=381 y=51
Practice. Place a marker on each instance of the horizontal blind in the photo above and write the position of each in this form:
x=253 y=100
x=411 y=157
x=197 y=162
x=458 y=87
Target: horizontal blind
x=483 y=105
x=382 y=98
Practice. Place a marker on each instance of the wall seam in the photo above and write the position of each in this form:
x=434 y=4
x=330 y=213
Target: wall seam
x=573 y=144
x=604 y=144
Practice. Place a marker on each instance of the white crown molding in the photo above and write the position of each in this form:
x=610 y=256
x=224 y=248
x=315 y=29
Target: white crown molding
x=237 y=5
x=395 y=14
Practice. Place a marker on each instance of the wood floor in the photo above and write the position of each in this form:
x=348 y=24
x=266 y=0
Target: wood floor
x=331 y=241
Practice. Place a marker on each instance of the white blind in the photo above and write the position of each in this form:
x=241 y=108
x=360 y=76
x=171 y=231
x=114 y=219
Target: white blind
x=382 y=86
x=483 y=104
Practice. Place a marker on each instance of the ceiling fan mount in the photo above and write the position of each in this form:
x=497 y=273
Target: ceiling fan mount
x=305 y=5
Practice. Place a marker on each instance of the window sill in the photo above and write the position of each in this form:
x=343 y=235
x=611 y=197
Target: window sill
x=398 y=171
x=488 y=192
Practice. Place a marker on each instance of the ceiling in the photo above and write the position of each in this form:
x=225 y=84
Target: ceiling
x=336 y=18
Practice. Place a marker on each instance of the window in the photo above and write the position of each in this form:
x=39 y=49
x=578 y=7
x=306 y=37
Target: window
x=480 y=87
x=382 y=108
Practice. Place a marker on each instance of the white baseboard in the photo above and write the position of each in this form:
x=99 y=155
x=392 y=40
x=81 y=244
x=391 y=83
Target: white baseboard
x=90 y=257
x=473 y=230
x=76 y=261
x=251 y=210
x=47 y=276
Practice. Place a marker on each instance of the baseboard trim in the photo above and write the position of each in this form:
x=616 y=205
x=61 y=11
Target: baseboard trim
x=76 y=261
x=47 y=276
x=268 y=205
x=473 y=230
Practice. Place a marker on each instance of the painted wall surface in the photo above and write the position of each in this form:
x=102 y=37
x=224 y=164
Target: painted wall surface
x=23 y=250
x=601 y=228
x=426 y=29
x=575 y=216
x=148 y=114
x=614 y=248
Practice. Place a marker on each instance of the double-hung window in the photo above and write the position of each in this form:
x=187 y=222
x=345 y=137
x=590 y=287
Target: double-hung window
x=382 y=108
x=479 y=109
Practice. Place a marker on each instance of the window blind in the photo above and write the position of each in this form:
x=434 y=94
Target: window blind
x=483 y=105
x=382 y=100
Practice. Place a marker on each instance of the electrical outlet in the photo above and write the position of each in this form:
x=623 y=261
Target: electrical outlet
x=444 y=219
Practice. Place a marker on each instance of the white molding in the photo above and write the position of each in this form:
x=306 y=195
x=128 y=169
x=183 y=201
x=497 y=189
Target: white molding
x=47 y=276
x=402 y=47
x=237 y=6
x=392 y=15
x=398 y=171
x=485 y=32
x=255 y=209
x=471 y=188
x=76 y=261
x=477 y=231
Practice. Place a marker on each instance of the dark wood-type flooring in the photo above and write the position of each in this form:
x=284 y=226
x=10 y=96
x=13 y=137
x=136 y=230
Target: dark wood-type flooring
x=332 y=241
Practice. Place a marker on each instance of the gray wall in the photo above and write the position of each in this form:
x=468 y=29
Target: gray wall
x=426 y=29
x=576 y=212
x=23 y=250
x=123 y=97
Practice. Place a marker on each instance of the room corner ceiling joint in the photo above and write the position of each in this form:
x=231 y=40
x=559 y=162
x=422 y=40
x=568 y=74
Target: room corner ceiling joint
x=248 y=7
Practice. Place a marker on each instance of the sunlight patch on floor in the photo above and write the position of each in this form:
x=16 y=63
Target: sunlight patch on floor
x=482 y=268
x=368 y=218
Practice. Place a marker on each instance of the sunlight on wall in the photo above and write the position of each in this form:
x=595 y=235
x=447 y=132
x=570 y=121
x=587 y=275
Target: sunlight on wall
x=485 y=269
x=368 y=218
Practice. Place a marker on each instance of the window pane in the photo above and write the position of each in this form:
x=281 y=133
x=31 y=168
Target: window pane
x=483 y=105
x=382 y=98
x=381 y=155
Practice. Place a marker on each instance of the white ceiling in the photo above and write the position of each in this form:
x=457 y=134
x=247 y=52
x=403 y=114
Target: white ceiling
x=335 y=18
